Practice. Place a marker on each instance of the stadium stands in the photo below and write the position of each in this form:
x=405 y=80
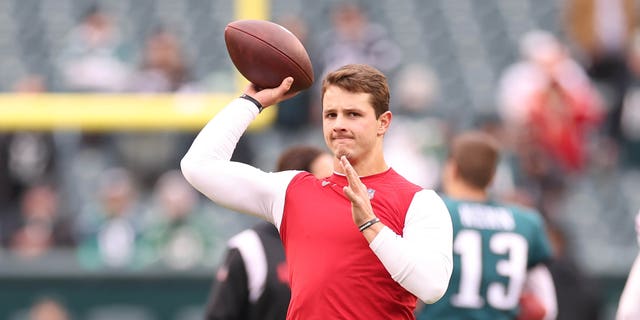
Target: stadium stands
x=467 y=44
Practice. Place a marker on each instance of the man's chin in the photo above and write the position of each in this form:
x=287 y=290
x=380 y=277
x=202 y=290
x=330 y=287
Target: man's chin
x=342 y=152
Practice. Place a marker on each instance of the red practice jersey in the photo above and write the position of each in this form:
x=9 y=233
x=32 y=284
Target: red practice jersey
x=333 y=270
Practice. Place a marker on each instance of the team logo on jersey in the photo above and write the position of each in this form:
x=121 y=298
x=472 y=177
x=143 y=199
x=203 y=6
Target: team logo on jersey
x=371 y=193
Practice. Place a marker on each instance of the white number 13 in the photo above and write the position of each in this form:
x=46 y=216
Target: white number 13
x=468 y=244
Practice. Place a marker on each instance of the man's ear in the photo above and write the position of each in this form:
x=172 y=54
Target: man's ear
x=449 y=175
x=384 y=120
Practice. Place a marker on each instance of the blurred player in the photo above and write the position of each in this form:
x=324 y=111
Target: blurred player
x=499 y=250
x=253 y=283
x=629 y=306
x=352 y=239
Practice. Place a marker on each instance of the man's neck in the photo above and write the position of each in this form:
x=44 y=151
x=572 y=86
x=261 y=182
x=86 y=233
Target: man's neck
x=369 y=170
x=464 y=192
x=365 y=168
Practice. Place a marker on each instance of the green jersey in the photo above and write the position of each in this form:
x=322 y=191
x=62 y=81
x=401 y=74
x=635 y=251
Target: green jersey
x=493 y=247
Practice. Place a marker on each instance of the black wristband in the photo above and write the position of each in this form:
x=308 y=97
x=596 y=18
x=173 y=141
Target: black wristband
x=368 y=224
x=252 y=99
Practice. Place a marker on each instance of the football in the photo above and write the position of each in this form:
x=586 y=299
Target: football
x=265 y=53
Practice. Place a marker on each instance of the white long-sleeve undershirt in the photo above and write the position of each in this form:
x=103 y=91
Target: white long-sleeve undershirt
x=420 y=260
x=629 y=304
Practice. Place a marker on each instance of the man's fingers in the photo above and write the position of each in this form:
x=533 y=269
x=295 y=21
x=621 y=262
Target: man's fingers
x=268 y=97
x=282 y=90
x=286 y=84
x=350 y=173
x=356 y=201
x=350 y=194
x=355 y=185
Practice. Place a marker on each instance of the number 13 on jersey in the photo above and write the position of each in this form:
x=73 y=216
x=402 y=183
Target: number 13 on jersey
x=499 y=268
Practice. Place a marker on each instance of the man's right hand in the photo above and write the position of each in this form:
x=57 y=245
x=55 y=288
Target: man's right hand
x=268 y=97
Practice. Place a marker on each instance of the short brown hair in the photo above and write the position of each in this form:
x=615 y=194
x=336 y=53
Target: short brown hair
x=298 y=158
x=361 y=78
x=476 y=155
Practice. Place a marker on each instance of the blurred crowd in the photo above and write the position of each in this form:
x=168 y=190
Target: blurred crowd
x=566 y=110
x=117 y=198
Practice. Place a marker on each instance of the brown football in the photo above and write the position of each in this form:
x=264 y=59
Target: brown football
x=265 y=53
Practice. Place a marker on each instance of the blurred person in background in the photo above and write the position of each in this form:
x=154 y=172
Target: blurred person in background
x=353 y=38
x=503 y=186
x=550 y=110
x=163 y=67
x=601 y=31
x=108 y=228
x=253 y=281
x=548 y=96
x=26 y=158
x=94 y=57
x=42 y=226
x=361 y=265
x=629 y=305
x=178 y=234
x=500 y=250
x=415 y=145
x=45 y=308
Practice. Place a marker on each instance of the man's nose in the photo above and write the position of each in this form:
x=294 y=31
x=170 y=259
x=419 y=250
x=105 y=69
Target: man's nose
x=339 y=124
